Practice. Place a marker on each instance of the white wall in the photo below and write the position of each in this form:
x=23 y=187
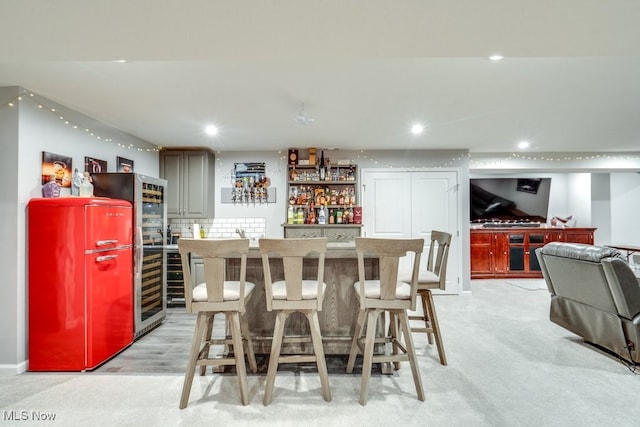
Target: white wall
x=579 y=198
x=29 y=128
x=277 y=170
x=601 y=206
x=625 y=208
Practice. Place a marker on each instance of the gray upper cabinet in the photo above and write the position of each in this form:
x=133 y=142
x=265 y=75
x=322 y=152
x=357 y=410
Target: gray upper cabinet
x=190 y=182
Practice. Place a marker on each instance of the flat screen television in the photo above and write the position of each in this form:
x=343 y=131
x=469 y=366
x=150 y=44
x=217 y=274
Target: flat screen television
x=510 y=199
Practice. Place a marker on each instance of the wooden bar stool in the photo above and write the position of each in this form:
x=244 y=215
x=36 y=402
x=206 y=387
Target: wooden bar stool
x=435 y=277
x=385 y=294
x=217 y=295
x=291 y=295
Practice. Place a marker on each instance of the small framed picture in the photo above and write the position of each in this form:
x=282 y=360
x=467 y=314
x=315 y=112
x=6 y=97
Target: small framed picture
x=528 y=185
x=92 y=165
x=56 y=167
x=124 y=165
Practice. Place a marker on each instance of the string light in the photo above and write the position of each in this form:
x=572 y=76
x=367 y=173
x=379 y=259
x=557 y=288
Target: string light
x=449 y=163
x=550 y=158
x=39 y=105
x=362 y=155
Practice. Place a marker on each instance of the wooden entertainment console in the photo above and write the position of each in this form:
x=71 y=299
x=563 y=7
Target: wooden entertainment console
x=509 y=252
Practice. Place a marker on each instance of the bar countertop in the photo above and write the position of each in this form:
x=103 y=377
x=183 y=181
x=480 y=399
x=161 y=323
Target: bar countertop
x=334 y=249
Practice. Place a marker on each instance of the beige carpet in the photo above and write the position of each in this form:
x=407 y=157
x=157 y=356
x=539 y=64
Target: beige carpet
x=508 y=366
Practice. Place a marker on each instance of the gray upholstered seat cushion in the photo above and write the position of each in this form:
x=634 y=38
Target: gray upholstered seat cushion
x=309 y=289
x=372 y=289
x=423 y=277
x=231 y=291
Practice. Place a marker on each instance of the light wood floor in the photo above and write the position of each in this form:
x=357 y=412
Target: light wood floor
x=165 y=349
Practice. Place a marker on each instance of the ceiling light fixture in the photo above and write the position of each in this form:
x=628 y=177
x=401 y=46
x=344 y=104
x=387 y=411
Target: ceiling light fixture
x=417 y=129
x=302 y=118
x=523 y=145
x=496 y=57
x=211 y=130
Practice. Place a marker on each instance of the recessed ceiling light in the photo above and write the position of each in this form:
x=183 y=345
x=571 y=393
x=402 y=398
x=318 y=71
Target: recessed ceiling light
x=496 y=57
x=211 y=130
x=417 y=129
x=523 y=144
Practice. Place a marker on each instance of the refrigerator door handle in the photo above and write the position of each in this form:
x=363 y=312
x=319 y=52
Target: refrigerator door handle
x=106 y=242
x=106 y=258
x=138 y=252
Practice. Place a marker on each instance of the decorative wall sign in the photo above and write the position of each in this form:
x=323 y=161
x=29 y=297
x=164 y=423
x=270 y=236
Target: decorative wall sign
x=57 y=166
x=250 y=184
x=92 y=165
x=124 y=165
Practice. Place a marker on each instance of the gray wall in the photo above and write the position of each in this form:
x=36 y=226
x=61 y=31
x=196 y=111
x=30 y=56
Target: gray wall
x=12 y=300
x=25 y=131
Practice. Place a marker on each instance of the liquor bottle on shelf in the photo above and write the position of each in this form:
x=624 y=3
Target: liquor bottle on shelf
x=327 y=169
x=332 y=219
x=311 y=218
x=322 y=219
x=290 y=215
x=322 y=170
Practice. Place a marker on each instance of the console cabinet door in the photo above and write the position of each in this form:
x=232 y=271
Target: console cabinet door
x=579 y=236
x=482 y=254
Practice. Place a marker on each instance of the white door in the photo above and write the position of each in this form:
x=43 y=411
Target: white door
x=409 y=204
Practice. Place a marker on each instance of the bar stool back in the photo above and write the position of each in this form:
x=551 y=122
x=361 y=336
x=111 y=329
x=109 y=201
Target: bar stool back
x=294 y=294
x=217 y=295
x=434 y=278
x=385 y=294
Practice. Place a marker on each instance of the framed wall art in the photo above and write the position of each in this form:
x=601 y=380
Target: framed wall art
x=92 y=165
x=124 y=165
x=528 y=185
x=57 y=167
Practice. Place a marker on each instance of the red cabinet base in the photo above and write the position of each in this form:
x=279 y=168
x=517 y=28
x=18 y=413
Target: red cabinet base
x=510 y=252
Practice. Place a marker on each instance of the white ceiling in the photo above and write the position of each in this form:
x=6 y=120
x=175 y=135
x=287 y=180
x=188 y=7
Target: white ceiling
x=365 y=70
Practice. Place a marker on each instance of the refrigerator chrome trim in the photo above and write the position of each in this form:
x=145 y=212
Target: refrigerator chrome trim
x=109 y=249
x=135 y=197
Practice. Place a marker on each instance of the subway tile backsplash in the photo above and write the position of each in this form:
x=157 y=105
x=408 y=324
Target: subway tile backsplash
x=220 y=228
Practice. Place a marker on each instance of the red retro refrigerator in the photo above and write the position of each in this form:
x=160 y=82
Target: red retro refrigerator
x=80 y=282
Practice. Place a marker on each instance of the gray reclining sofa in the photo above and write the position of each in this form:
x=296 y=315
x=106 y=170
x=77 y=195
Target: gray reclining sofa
x=594 y=294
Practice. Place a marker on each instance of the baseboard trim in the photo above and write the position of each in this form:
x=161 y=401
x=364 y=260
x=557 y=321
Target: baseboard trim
x=6 y=369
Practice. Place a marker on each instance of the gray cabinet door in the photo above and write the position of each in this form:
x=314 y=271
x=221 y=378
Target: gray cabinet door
x=196 y=188
x=171 y=169
x=190 y=177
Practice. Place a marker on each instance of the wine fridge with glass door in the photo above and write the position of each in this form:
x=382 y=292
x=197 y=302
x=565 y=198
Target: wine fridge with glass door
x=147 y=194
